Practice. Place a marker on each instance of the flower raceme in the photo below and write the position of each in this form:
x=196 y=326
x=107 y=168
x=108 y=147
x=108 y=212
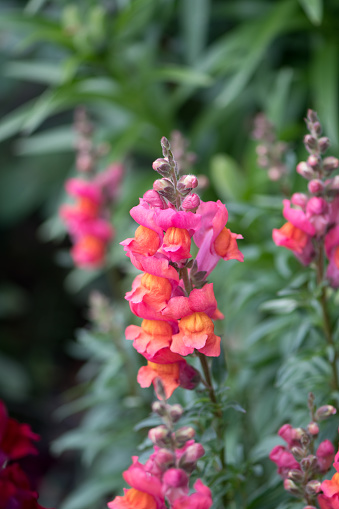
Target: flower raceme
x=164 y=478
x=172 y=295
x=313 y=219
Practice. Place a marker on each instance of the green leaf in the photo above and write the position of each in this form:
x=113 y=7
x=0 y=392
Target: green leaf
x=59 y=139
x=313 y=10
x=227 y=177
x=182 y=75
x=263 y=33
x=36 y=71
x=194 y=20
x=325 y=87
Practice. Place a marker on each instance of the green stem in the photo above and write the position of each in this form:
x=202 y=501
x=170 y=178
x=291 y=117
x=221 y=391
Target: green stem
x=326 y=317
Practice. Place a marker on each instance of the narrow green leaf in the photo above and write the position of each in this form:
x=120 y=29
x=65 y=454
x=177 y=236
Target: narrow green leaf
x=183 y=75
x=325 y=87
x=39 y=72
x=227 y=176
x=194 y=20
x=272 y=25
x=59 y=139
x=313 y=10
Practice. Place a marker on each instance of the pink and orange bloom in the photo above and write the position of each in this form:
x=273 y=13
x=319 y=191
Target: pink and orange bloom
x=177 y=310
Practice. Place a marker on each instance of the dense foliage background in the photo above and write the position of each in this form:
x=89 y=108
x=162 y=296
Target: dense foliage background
x=143 y=68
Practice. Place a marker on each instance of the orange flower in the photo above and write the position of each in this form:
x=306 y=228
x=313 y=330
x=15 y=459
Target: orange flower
x=196 y=331
x=133 y=499
x=145 y=242
x=176 y=244
x=168 y=373
x=290 y=237
x=152 y=336
x=89 y=251
x=225 y=245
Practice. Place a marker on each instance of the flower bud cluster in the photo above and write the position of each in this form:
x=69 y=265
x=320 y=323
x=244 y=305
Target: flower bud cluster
x=165 y=476
x=270 y=152
x=15 y=443
x=313 y=217
x=171 y=294
x=88 y=219
x=298 y=464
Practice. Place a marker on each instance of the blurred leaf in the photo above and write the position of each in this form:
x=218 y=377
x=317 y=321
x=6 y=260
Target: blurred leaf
x=59 y=139
x=227 y=177
x=37 y=71
x=183 y=75
x=33 y=6
x=89 y=493
x=194 y=19
x=15 y=383
x=262 y=35
x=281 y=306
x=313 y=9
x=325 y=87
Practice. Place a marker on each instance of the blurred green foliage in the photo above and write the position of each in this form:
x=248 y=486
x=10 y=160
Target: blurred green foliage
x=143 y=68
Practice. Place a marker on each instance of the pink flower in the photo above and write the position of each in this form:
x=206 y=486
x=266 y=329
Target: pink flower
x=149 y=296
x=152 y=336
x=330 y=497
x=146 y=491
x=296 y=240
x=325 y=455
x=213 y=238
x=201 y=499
x=199 y=300
x=290 y=435
x=298 y=218
x=196 y=331
x=15 y=489
x=83 y=189
x=284 y=460
x=175 y=484
x=332 y=252
x=15 y=438
x=170 y=373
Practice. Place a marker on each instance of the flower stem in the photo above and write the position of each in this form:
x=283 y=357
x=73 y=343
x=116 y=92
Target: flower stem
x=326 y=317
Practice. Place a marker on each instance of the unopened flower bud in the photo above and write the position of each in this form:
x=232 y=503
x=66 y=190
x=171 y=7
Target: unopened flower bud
x=310 y=142
x=314 y=162
x=316 y=206
x=162 y=184
x=315 y=186
x=330 y=164
x=175 y=412
x=296 y=475
x=165 y=459
x=159 y=407
x=308 y=463
x=84 y=162
x=334 y=183
x=317 y=128
x=323 y=144
x=299 y=200
x=191 y=203
x=324 y=412
x=154 y=199
x=304 y=439
x=261 y=150
x=160 y=436
x=291 y=487
x=188 y=182
x=305 y=170
x=312 y=116
x=190 y=457
x=182 y=435
x=313 y=487
x=298 y=453
x=313 y=428
x=162 y=167
x=189 y=377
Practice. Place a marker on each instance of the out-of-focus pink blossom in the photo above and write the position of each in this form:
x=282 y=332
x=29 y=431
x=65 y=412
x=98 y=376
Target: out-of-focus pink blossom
x=325 y=455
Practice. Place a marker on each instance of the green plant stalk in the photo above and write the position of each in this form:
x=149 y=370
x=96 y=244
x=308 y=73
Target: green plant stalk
x=326 y=317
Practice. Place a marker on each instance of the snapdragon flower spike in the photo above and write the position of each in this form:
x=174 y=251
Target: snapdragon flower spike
x=171 y=294
x=163 y=481
x=312 y=219
x=297 y=464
